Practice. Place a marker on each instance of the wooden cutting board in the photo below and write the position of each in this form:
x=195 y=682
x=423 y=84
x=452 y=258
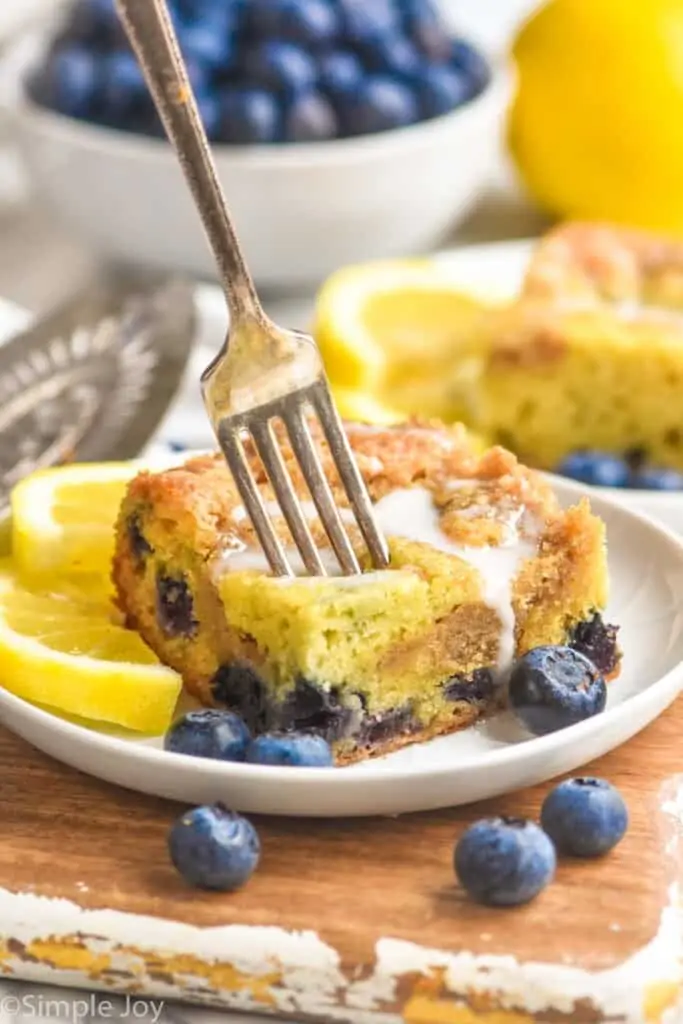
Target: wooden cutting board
x=346 y=920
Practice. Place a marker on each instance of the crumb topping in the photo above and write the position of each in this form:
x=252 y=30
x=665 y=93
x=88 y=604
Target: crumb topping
x=482 y=499
x=599 y=262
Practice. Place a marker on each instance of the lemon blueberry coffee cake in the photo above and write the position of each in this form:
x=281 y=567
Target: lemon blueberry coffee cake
x=591 y=356
x=485 y=565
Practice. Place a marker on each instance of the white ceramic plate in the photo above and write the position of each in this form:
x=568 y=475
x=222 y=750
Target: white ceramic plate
x=646 y=564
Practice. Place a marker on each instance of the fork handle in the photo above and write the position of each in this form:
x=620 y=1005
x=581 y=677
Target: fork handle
x=152 y=36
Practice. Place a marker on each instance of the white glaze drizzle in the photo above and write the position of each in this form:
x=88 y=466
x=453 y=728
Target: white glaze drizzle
x=412 y=514
x=308 y=509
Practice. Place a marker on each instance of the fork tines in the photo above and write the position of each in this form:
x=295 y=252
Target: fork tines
x=291 y=409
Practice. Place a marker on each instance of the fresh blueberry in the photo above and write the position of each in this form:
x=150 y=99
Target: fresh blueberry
x=300 y=749
x=124 y=90
x=71 y=83
x=307 y=22
x=584 y=817
x=503 y=862
x=364 y=21
x=553 y=687
x=214 y=848
x=657 y=478
x=209 y=733
x=392 y=55
x=210 y=48
x=382 y=104
x=466 y=59
x=249 y=116
x=595 y=467
x=222 y=17
x=426 y=29
x=440 y=89
x=310 y=118
x=281 y=67
x=211 y=113
x=94 y=22
x=198 y=73
x=340 y=74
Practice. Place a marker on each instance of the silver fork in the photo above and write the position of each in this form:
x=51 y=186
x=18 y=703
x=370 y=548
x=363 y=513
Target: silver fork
x=262 y=372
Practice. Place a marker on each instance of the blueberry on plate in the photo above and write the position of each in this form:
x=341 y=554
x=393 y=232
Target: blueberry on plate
x=584 y=817
x=340 y=73
x=382 y=104
x=657 y=478
x=310 y=118
x=280 y=67
x=393 y=55
x=209 y=733
x=307 y=22
x=553 y=687
x=600 y=469
x=249 y=116
x=214 y=848
x=439 y=90
x=298 y=749
x=473 y=66
x=502 y=862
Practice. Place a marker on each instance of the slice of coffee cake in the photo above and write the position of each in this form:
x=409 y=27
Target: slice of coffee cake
x=484 y=566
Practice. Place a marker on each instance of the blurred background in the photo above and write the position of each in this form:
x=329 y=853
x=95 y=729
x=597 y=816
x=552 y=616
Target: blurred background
x=352 y=136
x=56 y=213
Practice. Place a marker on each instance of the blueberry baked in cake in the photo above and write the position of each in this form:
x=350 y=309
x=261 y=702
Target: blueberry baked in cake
x=485 y=565
x=591 y=356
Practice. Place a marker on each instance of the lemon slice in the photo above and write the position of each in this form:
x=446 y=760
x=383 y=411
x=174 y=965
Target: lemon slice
x=361 y=407
x=67 y=651
x=63 y=518
x=400 y=332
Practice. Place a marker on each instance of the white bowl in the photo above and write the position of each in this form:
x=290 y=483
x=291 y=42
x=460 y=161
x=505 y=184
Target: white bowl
x=301 y=210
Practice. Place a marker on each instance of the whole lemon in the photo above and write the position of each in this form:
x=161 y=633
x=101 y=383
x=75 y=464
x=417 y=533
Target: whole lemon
x=596 y=127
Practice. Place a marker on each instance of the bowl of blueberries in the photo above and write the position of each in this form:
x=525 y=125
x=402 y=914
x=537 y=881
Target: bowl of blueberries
x=343 y=130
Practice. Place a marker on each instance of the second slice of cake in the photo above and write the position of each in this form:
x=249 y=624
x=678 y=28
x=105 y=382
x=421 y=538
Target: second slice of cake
x=484 y=566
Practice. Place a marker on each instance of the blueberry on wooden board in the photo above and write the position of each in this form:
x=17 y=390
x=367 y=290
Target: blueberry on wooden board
x=503 y=862
x=214 y=848
x=584 y=817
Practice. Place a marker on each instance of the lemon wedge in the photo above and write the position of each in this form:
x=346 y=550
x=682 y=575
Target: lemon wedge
x=63 y=518
x=361 y=407
x=400 y=333
x=67 y=651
